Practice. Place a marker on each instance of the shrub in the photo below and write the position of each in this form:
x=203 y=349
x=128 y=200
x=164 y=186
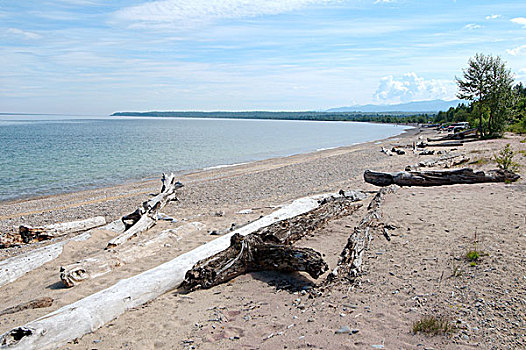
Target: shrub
x=504 y=159
x=432 y=325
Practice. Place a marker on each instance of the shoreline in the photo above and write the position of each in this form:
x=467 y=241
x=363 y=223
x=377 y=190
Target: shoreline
x=152 y=177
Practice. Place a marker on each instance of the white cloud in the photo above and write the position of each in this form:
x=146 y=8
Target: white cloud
x=493 y=17
x=411 y=87
x=519 y=20
x=517 y=51
x=23 y=33
x=180 y=12
x=472 y=26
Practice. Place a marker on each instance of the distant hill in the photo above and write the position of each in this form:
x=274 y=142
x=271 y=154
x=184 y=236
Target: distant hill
x=432 y=106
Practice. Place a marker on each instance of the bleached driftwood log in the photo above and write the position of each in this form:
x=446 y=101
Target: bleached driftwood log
x=456 y=136
x=108 y=260
x=438 y=177
x=90 y=313
x=13 y=268
x=145 y=216
x=446 y=144
x=40 y=233
x=350 y=260
x=446 y=161
x=269 y=248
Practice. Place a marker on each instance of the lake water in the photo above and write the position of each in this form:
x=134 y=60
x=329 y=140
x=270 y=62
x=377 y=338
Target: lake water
x=41 y=155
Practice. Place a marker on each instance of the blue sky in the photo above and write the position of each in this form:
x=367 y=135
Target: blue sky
x=98 y=56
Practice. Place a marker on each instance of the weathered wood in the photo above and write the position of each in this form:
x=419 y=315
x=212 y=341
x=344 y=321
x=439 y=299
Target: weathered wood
x=33 y=304
x=386 y=151
x=108 y=260
x=446 y=161
x=40 y=233
x=145 y=217
x=13 y=268
x=269 y=247
x=249 y=254
x=350 y=260
x=293 y=229
x=398 y=151
x=439 y=177
x=92 y=312
x=456 y=136
x=446 y=144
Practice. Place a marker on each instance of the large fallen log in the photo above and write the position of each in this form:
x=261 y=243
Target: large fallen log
x=13 y=268
x=108 y=260
x=350 y=260
x=439 y=177
x=92 y=312
x=250 y=254
x=456 y=136
x=145 y=217
x=269 y=248
x=40 y=233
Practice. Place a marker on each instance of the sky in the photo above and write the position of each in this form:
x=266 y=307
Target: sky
x=96 y=56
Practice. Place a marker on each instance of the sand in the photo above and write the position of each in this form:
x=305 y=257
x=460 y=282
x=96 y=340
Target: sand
x=422 y=271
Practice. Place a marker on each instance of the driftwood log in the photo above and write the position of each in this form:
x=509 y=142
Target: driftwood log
x=144 y=217
x=111 y=259
x=249 y=254
x=269 y=249
x=92 y=312
x=439 y=177
x=456 y=136
x=446 y=161
x=41 y=233
x=13 y=268
x=350 y=260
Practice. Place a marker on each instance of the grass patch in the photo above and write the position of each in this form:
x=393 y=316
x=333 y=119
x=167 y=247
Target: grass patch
x=432 y=325
x=473 y=255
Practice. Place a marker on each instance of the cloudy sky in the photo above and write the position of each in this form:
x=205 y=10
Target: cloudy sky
x=98 y=56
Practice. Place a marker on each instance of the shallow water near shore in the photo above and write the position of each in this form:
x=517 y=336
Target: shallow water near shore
x=41 y=155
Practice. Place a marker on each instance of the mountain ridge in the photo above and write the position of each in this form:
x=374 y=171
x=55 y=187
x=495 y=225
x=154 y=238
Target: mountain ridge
x=432 y=106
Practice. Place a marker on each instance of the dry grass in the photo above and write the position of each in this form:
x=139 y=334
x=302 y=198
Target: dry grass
x=432 y=325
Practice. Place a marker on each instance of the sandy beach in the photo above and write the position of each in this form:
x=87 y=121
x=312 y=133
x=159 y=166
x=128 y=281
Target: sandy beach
x=422 y=271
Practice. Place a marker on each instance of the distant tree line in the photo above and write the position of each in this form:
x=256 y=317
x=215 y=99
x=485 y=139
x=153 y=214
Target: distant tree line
x=388 y=117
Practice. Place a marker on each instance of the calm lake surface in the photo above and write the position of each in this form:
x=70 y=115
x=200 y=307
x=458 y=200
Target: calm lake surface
x=41 y=155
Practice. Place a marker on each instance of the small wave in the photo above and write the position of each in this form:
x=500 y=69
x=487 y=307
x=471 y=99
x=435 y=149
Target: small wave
x=325 y=149
x=223 y=166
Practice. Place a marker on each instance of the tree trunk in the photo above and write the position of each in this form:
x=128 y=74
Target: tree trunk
x=270 y=248
x=40 y=233
x=249 y=254
x=145 y=216
x=439 y=177
x=350 y=260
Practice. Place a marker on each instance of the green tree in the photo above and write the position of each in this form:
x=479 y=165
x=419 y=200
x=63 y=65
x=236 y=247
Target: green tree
x=499 y=97
x=487 y=83
x=475 y=85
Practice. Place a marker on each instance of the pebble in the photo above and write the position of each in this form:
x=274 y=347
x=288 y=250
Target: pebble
x=343 y=330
